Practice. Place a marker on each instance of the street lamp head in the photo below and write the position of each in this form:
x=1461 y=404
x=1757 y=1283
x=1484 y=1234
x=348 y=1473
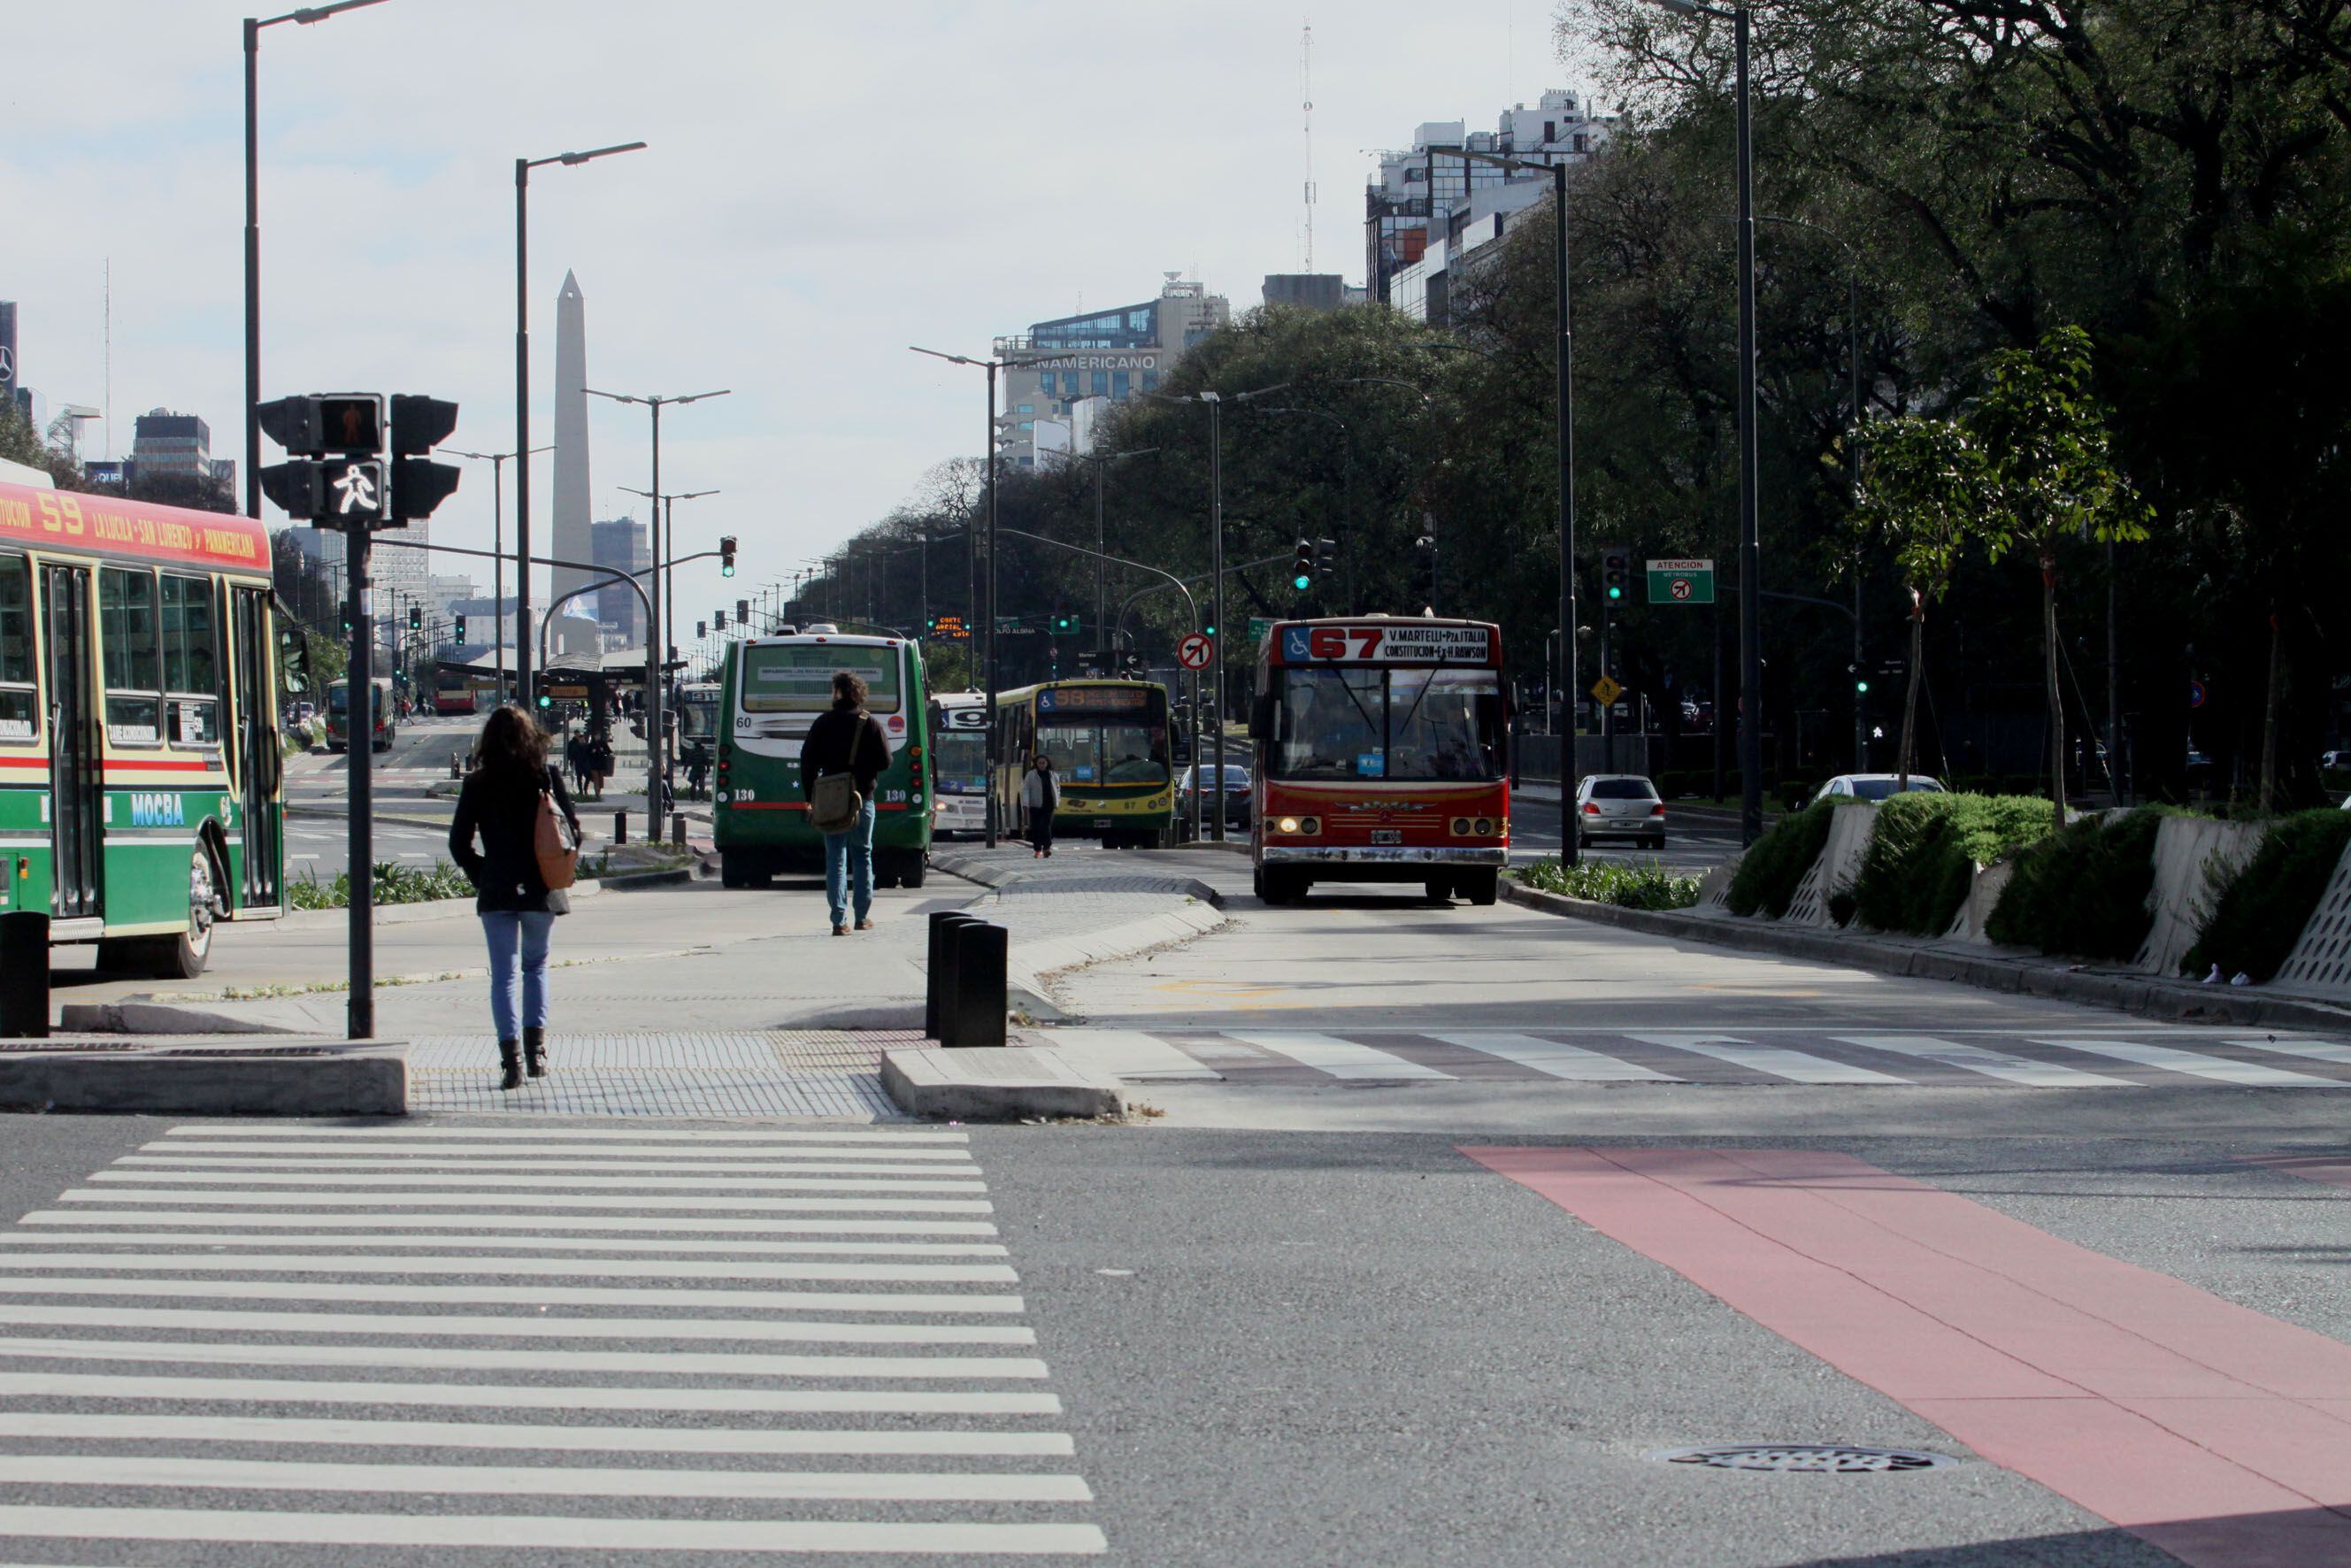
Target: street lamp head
x=937 y=354
x=310 y=13
x=616 y=397
x=697 y=397
x=568 y=159
x=1206 y=396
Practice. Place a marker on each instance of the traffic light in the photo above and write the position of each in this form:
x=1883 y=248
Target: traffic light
x=1326 y=556
x=416 y=618
x=333 y=440
x=726 y=556
x=718 y=619
x=702 y=628
x=1616 y=573
x=1301 y=569
x=1860 y=679
x=1063 y=623
x=742 y=613
x=418 y=484
x=457 y=626
x=546 y=701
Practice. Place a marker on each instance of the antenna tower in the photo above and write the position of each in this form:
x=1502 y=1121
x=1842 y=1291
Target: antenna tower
x=1306 y=94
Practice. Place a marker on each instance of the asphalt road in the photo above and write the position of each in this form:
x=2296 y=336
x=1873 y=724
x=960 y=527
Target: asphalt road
x=317 y=793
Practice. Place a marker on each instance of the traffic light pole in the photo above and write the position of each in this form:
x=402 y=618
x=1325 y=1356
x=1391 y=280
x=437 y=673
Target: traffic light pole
x=358 y=693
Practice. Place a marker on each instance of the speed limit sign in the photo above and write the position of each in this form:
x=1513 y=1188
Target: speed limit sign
x=1195 y=652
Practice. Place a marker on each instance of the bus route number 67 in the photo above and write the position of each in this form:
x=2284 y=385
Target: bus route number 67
x=1331 y=642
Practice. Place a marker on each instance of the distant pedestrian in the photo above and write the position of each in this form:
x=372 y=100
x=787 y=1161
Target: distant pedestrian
x=844 y=753
x=499 y=804
x=575 y=757
x=600 y=759
x=1040 y=796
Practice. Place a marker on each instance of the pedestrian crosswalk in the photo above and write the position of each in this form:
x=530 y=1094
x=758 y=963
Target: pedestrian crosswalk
x=275 y=1344
x=2122 y=1058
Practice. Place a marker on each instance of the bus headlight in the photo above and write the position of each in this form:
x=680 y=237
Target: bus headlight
x=1289 y=825
x=1297 y=827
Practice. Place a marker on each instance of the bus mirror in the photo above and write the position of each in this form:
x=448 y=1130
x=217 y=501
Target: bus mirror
x=294 y=660
x=1261 y=720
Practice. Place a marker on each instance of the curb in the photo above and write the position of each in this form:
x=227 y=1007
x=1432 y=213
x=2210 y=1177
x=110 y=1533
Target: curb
x=210 y=1077
x=997 y=1083
x=2138 y=994
x=999 y=878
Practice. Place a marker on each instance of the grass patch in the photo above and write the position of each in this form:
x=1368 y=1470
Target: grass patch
x=394 y=884
x=2084 y=891
x=1771 y=869
x=2258 y=915
x=1922 y=858
x=1650 y=886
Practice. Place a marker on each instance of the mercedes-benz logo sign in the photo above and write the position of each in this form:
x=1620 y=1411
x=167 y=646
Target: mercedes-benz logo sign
x=7 y=363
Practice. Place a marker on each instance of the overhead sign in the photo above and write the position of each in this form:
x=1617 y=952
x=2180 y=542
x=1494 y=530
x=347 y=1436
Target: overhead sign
x=1681 y=583
x=1387 y=642
x=1195 y=652
x=950 y=628
x=1607 y=690
x=1259 y=626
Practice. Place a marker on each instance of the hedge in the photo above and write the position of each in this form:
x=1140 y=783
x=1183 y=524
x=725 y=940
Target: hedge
x=1775 y=865
x=2260 y=913
x=2083 y=892
x=1922 y=858
x=1650 y=886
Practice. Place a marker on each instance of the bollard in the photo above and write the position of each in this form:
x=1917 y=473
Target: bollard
x=678 y=828
x=942 y=971
x=620 y=827
x=975 y=1008
x=457 y=765
x=25 y=975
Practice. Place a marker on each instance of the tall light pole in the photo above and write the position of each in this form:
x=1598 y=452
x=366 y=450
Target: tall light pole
x=667 y=554
x=497 y=462
x=523 y=166
x=253 y=25
x=1102 y=462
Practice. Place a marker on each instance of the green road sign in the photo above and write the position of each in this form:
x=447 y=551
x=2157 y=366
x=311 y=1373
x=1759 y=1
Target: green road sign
x=1681 y=583
x=1259 y=626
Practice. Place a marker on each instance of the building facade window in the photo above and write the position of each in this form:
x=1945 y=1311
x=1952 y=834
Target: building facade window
x=1121 y=385
x=1151 y=380
x=1028 y=408
x=1101 y=383
x=126 y=630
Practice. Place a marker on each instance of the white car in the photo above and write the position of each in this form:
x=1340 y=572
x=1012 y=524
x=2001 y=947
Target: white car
x=1874 y=786
x=1619 y=806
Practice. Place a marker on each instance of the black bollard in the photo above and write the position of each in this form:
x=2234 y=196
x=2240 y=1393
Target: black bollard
x=620 y=827
x=25 y=975
x=976 y=1009
x=938 y=996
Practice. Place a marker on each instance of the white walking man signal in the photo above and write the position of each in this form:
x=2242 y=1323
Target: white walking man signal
x=357 y=490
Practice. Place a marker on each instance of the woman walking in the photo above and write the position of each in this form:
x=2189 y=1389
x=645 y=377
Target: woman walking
x=599 y=757
x=498 y=805
x=1040 y=796
x=847 y=740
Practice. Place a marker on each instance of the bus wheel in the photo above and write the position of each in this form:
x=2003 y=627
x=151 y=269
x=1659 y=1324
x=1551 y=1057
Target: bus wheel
x=1285 y=885
x=181 y=956
x=737 y=868
x=1480 y=886
x=912 y=868
x=1438 y=888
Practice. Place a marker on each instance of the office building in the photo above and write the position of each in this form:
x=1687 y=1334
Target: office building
x=164 y=443
x=1312 y=290
x=620 y=545
x=1113 y=355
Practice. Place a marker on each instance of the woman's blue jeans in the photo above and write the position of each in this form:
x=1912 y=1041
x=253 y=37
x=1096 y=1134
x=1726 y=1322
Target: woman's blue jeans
x=849 y=858
x=530 y=931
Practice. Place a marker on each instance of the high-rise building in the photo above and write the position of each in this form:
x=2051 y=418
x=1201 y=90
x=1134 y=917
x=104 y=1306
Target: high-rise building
x=1421 y=194
x=1111 y=354
x=166 y=443
x=621 y=545
x=10 y=380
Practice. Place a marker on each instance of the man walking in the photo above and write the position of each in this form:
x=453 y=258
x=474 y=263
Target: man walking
x=844 y=753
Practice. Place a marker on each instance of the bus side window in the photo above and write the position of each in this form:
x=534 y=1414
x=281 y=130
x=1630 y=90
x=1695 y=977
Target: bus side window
x=20 y=702
x=126 y=624
x=192 y=663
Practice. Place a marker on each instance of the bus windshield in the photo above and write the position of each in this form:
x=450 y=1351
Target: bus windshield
x=796 y=677
x=1106 y=752
x=959 y=762
x=697 y=713
x=1387 y=723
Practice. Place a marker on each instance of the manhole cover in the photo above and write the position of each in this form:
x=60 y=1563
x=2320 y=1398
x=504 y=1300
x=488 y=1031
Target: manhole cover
x=1804 y=1456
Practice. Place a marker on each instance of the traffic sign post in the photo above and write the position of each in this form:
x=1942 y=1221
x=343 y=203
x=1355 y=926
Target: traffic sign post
x=1606 y=691
x=1196 y=652
x=1681 y=582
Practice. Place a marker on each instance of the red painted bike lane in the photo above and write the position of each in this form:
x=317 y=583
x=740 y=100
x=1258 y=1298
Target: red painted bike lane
x=2214 y=1432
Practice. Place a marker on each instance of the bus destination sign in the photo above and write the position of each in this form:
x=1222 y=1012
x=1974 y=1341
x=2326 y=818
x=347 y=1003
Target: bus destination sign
x=1387 y=642
x=1092 y=700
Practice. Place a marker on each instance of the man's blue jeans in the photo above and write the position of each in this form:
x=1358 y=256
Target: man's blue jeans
x=531 y=931
x=849 y=859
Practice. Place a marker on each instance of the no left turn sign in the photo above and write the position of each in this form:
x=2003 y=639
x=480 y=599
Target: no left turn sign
x=1195 y=652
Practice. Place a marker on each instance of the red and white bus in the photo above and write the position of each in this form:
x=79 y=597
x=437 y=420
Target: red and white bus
x=1382 y=756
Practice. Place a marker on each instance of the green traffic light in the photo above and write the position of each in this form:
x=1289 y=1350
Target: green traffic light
x=1614 y=591
x=1301 y=582
x=1861 y=685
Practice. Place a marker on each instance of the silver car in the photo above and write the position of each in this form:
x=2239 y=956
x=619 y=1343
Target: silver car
x=1619 y=806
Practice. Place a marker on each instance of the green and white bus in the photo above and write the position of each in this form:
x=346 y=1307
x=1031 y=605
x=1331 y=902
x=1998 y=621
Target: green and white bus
x=383 y=731
x=959 y=764
x=1108 y=740
x=770 y=689
x=140 y=759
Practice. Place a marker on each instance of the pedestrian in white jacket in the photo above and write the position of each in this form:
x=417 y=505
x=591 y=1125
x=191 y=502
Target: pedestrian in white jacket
x=1040 y=796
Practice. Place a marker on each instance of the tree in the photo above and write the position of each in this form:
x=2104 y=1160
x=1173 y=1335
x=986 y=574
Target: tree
x=1923 y=497
x=2049 y=474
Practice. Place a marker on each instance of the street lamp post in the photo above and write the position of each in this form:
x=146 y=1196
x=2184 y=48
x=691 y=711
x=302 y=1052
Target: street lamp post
x=497 y=462
x=523 y=166
x=663 y=551
x=253 y=25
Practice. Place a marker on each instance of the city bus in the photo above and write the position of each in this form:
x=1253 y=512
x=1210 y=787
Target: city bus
x=141 y=757
x=1382 y=756
x=339 y=715
x=959 y=764
x=697 y=714
x=463 y=689
x=769 y=689
x=1108 y=740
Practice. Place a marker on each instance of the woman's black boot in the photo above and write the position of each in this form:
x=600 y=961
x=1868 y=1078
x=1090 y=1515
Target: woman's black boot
x=534 y=1050
x=510 y=1063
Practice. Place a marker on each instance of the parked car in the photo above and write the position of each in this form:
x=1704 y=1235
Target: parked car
x=1619 y=806
x=1874 y=786
x=1236 y=796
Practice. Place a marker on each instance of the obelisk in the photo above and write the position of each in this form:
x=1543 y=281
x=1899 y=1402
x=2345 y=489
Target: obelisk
x=572 y=539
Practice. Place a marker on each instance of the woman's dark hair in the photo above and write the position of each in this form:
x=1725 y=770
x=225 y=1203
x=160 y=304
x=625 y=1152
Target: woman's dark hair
x=1040 y=757
x=512 y=740
x=848 y=689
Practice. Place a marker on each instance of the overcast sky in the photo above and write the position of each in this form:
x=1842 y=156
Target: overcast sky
x=824 y=185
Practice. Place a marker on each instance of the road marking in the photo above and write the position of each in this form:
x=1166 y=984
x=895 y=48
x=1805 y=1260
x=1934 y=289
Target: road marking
x=366 y=1240
x=359 y=1136
x=532 y=1397
x=721 y=1158
x=510 y=1295
x=212 y=1429
x=198 y=1319
x=537 y=1200
x=2186 y=1419
x=673 y=1363
x=600 y=1267
x=544 y=1532
x=530 y=1223
x=1776 y=1060
x=1130 y=1053
x=1554 y=1059
x=2315 y=1049
x=2224 y=1069
x=1339 y=1058
x=197 y=1164
x=1991 y=1063
x=647 y=1184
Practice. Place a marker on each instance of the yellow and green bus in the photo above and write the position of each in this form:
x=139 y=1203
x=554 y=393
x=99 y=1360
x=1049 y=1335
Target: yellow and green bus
x=1108 y=740
x=769 y=690
x=141 y=761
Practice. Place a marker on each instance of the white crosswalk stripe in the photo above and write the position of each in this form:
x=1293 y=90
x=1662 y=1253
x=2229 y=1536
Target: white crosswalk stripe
x=294 y=1340
x=1553 y=1059
x=1797 y=1066
x=1977 y=1058
x=2227 y=1069
x=1339 y=1058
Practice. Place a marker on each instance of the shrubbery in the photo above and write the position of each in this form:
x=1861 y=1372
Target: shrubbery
x=2083 y=891
x=394 y=884
x=1770 y=871
x=1922 y=858
x=1650 y=886
x=2259 y=914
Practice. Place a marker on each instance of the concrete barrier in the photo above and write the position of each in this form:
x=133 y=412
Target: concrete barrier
x=2188 y=851
x=196 y=1076
x=997 y=1083
x=2321 y=961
